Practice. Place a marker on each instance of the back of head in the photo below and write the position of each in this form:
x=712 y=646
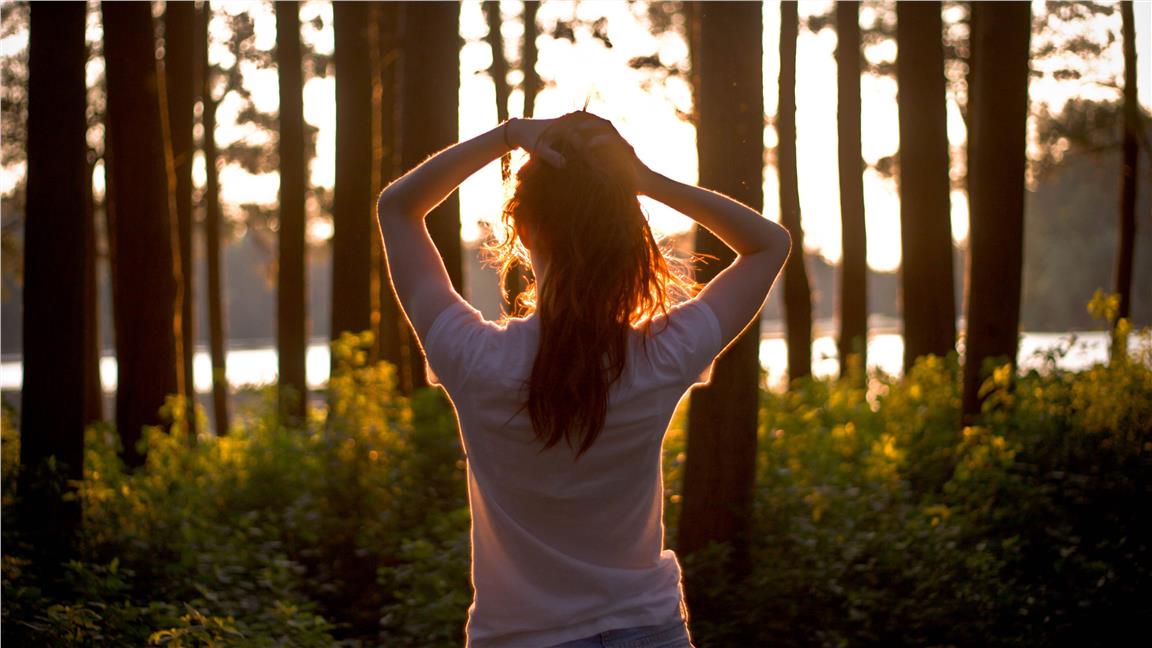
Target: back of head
x=605 y=274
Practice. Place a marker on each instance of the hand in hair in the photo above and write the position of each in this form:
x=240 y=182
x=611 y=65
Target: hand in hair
x=602 y=146
x=537 y=136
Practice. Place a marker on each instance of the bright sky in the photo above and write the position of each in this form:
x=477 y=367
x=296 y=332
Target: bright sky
x=645 y=112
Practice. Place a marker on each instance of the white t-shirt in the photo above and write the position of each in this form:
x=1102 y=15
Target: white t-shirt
x=565 y=549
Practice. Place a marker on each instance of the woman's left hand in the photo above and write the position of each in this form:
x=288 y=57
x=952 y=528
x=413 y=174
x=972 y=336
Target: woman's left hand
x=538 y=136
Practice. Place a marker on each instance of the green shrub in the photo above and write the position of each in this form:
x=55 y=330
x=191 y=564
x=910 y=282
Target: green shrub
x=879 y=520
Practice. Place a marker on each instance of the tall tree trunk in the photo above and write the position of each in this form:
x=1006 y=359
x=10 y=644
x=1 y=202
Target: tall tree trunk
x=291 y=295
x=353 y=206
x=721 y=446
x=1128 y=176
x=925 y=216
x=513 y=281
x=529 y=56
x=854 y=264
x=179 y=70
x=998 y=105
x=431 y=100
x=498 y=71
x=397 y=345
x=212 y=237
x=93 y=387
x=57 y=228
x=144 y=288
x=797 y=293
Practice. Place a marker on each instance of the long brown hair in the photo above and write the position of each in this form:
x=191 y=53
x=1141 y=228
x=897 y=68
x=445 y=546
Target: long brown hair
x=606 y=273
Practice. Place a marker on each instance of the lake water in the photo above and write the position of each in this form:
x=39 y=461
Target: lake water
x=257 y=366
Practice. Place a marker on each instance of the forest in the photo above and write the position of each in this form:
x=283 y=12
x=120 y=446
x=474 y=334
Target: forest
x=971 y=497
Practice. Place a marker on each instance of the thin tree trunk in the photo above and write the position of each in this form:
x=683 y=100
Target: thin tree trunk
x=93 y=387
x=513 y=281
x=353 y=206
x=396 y=344
x=498 y=71
x=292 y=295
x=431 y=100
x=854 y=264
x=145 y=289
x=721 y=445
x=56 y=275
x=797 y=293
x=1127 y=239
x=998 y=86
x=925 y=214
x=529 y=56
x=212 y=238
x=179 y=64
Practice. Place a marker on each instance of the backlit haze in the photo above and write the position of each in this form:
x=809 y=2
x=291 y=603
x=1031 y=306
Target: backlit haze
x=644 y=108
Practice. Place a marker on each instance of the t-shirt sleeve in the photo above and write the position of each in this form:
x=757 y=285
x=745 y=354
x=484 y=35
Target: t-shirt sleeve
x=692 y=340
x=454 y=345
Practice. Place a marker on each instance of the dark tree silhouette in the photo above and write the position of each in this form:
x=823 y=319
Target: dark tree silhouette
x=292 y=294
x=998 y=107
x=797 y=293
x=431 y=89
x=498 y=70
x=854 y=264
x=925 y=218
x=1127 y=239
x=353 y=206
x=396 y=344
x=142 y=241
x=53 y=395
x=212 y=235
x=179 y=73
x=513 y=281
x=528 y=57
x=721 y=445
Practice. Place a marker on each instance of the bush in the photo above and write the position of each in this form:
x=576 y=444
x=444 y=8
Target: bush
x=879 y=521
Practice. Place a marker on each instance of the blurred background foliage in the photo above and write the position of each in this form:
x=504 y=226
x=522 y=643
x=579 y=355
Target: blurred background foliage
x=875 y=523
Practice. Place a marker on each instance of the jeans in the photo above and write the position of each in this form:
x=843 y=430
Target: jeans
x=672 y=635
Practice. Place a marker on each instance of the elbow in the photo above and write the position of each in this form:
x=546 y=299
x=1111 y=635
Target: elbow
x=389 y=207
x=784 y=238
x=774 y=239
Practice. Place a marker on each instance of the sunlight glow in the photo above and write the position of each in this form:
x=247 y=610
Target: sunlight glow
x=645 y=107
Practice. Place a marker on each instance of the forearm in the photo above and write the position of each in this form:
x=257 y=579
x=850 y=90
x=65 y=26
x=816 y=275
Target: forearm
x=420 y=190
x=740 y=227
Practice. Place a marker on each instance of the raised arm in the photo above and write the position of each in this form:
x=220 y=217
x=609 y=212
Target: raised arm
x=737 y=293
x=417 y=271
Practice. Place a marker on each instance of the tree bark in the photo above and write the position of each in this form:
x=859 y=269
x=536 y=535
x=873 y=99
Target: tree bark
x=291 y=295
x=797 y=293
x=57 y=227
x=431 y=100
x=721 y=445
x=212 y=238
x=144 y=291
x=998 y=104
x=854 y=264
x=1127 y=239
x=925 y=213
x=353 y=205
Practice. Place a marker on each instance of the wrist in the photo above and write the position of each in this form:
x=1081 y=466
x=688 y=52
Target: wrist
x=507 y=134
x=647 y=181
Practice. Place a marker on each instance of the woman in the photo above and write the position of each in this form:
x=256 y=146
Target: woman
x=567 y=537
